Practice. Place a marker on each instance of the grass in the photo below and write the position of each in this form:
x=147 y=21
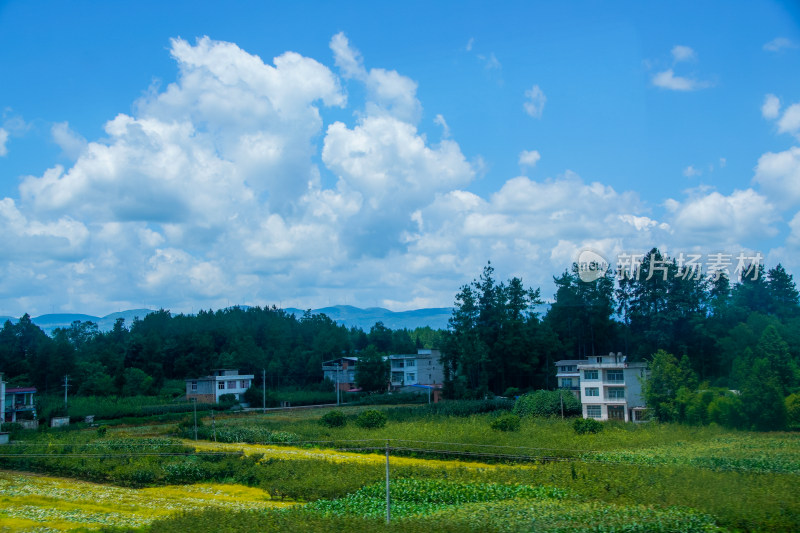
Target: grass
x=656 y=477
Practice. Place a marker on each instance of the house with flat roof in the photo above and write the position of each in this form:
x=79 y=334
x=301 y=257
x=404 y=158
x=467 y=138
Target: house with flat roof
x=407 y=370
x=421 y=368
x=342 y=371
x=567 y=375
x=208 y=389
x=17 y=403
x=611 y=388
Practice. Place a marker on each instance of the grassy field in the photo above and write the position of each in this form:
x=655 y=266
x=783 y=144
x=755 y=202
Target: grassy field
x=648 y=477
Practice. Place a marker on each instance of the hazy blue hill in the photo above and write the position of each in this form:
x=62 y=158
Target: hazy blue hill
x=347 y=315
x=107 y=322
x=351 y=316
x=50 y=322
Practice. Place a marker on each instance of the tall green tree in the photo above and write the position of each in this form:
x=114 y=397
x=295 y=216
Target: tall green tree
x=667 y=377
x=372 y=370
x=490 y=346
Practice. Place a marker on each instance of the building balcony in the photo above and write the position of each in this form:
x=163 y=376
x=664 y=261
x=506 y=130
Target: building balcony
x=614 y=400
x=593 y=366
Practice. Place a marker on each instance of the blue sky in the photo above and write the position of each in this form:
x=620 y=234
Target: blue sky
x=181 y=155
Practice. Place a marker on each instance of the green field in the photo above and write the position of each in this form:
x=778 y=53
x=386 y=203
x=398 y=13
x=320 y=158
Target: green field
x=448 y=473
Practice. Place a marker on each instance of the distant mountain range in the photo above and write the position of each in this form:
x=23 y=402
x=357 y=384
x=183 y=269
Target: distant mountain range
x=346 y=315
x=435 y=317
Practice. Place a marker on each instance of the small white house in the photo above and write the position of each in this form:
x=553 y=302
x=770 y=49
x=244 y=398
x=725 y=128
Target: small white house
x=208 y=389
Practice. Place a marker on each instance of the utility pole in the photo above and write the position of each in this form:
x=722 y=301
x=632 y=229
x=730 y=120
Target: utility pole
x=213 y=426
x=264 y=390
x=338 y=368
x=388 y=500
x=195 y=417
x=66 y=386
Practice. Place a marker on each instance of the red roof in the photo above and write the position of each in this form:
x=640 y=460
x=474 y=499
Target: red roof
x=20 y=389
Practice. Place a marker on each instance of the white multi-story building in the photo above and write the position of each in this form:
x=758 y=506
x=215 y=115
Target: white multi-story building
x=421 y=368
x=611 y=388
x=208 y=389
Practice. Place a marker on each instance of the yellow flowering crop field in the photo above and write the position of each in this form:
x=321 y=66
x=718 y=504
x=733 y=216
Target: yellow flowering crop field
x=335 y=456
x=33 y=503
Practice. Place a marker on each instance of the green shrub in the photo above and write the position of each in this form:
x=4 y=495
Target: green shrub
x=371 y=419
x=333 y=419
x=228 y=399
x=793 y=410
x=506 y=422
x=587 y=425
x=547 y=403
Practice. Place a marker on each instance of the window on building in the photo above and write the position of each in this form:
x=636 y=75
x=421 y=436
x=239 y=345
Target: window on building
x=245 y=383
x=616 y=392
x=411 y=362
x=590 y=374
x=231 y=384
x=592 y=391
x=617 y=376
x=593 y=411
x=397 y=377
x=194 y=385
x=411 y=377
x=566 y=382
x=221 y=385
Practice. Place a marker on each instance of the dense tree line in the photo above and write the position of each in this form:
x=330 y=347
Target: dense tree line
x=159 y=347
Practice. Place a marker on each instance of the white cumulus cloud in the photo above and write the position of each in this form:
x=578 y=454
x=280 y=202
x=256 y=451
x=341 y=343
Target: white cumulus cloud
x=714 y=219
x=534 y=106
x=3 y=141
x=771 y=107
x=71 y=143
x=668 y=80
x=778 y=174
x=683 y=53
x=529 y=158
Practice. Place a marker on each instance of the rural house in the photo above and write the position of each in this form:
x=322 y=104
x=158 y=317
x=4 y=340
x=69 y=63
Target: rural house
x=567 y=375
x=341 y=371
x=208 y=389
x=611 y=388
x=17 y=403
x=407 y=370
